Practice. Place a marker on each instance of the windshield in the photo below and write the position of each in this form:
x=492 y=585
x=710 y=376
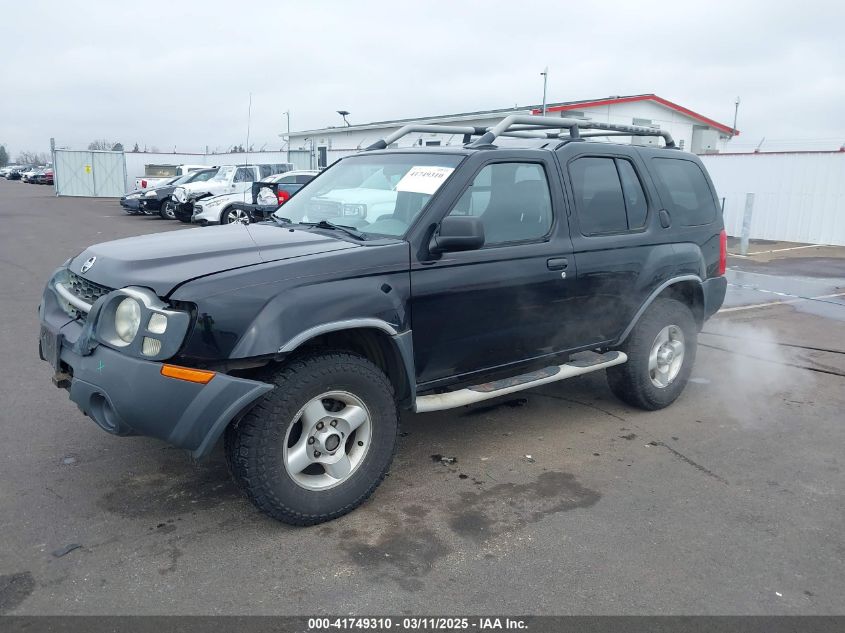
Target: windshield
x=200 y=176
x=224 y=173
x=378 y=194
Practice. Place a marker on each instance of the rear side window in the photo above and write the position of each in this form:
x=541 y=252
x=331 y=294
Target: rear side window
x=684 y=191
x=598 y=195
x=635 y=202
x=244 y=174
x=609 y=197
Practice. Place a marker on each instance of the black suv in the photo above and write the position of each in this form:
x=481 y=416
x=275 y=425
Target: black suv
x=421 y=279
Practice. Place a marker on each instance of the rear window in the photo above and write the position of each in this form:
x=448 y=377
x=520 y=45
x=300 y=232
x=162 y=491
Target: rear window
x=684 y=191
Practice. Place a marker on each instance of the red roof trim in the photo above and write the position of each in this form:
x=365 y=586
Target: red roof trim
x=655 y=98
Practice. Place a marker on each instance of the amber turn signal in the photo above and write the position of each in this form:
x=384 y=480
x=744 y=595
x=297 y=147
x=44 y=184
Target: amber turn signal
x=185 y=373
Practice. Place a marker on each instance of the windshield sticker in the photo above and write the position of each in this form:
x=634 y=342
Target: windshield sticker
x=424 y=179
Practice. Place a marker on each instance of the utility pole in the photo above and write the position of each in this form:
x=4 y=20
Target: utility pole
x=248 y=121
x=545 y=74
x=736 y=111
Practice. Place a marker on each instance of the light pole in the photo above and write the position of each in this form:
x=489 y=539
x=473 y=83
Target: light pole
x=344 y=114
x=545 y=74
x=287 y=114
x=736 y=111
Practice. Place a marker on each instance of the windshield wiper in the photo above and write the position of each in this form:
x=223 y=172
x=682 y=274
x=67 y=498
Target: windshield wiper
x=349 y=230
x=280 y=220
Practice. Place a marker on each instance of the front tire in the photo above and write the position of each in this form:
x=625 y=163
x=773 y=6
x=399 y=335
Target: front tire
x=661 y=351
x=319 y=444
x=167 y=210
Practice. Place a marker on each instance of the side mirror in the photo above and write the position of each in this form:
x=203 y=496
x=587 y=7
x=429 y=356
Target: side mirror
x=458 y=233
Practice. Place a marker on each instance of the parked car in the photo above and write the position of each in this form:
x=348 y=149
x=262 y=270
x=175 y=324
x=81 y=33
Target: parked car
x=131 y=202
x=43 y=177
x=497 y=269
x=8 y=169
x=160 y=200
x=157 y=175
x=28 y=175
x=235 y=179
x=263 y=198
x=18 y=171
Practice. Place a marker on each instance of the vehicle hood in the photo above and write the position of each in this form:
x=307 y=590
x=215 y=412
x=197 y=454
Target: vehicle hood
x=163 y=261
x=164 y=190
x=207 y=185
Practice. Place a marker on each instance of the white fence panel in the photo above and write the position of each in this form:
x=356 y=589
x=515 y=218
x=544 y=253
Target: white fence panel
x=73 y=173
x=109 y=172
x=798 y=197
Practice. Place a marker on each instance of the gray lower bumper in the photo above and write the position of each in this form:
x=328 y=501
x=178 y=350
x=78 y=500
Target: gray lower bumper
x=129 y=396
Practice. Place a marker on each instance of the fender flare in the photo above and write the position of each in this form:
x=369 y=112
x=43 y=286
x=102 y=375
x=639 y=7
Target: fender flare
x=650 y=299
x=336 y=326
x=402 y=345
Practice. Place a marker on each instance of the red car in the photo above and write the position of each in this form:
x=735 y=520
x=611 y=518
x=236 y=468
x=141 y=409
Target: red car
x=44 y=178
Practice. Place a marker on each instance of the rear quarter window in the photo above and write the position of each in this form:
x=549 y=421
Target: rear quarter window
x=684 y=191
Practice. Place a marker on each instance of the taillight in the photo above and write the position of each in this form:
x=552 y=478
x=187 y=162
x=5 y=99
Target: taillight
x=143 y=184
x=723 y=252
x=283 y=196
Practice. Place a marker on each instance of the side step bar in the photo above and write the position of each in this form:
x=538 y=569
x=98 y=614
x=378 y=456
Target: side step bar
x=486 y=391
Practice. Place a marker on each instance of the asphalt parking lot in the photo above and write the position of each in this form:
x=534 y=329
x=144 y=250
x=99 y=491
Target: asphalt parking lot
x=561 y=500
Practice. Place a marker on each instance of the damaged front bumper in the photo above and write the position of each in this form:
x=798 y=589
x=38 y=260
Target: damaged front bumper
x=130 y=396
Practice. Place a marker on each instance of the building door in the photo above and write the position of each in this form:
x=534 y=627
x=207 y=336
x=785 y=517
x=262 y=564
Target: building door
x=322 y=156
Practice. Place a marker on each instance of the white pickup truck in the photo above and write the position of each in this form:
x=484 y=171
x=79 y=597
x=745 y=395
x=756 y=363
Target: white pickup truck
x=157 y=175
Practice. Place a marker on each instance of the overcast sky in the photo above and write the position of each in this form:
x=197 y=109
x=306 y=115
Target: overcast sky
x=168 y=74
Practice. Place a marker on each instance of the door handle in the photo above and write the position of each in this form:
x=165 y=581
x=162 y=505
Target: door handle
x=557 y=263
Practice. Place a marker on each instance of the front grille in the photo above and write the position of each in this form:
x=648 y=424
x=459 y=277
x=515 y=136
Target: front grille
x=86 y=290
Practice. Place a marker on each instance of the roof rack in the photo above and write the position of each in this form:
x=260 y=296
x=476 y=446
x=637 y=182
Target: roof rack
x=468 y=132
x=527 y=126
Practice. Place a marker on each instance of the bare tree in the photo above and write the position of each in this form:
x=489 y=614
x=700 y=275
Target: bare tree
x=31 y=158
x=4 y=156
x=102 y=144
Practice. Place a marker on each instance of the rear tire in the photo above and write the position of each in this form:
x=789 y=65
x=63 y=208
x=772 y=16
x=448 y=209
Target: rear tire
x=661 y=351
x=335 y=402
x=234 y=216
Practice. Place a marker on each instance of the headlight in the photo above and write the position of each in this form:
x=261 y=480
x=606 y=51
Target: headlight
x=150 y=194
x=180 y=194
x=133 y=196
x=138 y=323
x=127 y=320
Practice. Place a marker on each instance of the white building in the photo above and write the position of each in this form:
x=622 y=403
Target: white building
x=692 y=131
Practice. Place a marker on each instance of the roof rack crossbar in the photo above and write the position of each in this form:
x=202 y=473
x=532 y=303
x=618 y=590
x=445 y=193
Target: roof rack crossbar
x=443 y=129
x=531 y=122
